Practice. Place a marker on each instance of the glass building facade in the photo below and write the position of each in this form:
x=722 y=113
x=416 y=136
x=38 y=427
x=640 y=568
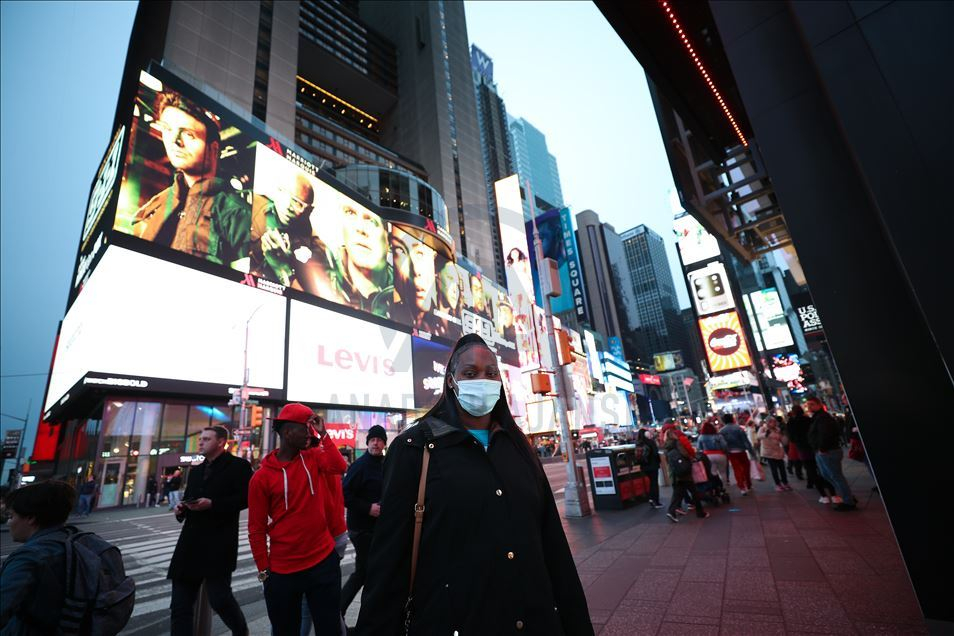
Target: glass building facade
x=397 y=190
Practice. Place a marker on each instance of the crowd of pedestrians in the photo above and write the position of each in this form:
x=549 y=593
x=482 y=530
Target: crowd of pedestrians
x=459 y=519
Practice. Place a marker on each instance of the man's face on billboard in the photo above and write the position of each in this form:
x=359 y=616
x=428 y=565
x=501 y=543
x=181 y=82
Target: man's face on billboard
x=450 y=284
x=365 y=238
x=506 y=315
x=184 y=139
x=294 y=199
x=422 y=258
x=477 y=289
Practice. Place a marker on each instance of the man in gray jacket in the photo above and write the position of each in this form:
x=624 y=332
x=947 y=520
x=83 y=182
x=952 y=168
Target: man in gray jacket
x=737 y=442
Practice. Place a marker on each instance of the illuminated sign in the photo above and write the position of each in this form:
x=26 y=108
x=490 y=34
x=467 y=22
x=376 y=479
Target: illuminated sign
x=103 y=187
x=786 y=368
x=430 y=367
x=336 y=359
x=770 y=319
x=141 y=317
x=517 y=264
x=724 y=342
x=558 y=241
x=710 y=291
x=732 y=380
x=694 y=243
x=648 y=378
x=668 y=361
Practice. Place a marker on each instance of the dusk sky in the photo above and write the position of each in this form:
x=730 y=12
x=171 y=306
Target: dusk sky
x=559 y=65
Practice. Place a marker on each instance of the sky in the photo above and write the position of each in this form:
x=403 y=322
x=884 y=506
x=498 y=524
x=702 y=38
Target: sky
x=561 y=66
x=557 y=64
x=60 y=65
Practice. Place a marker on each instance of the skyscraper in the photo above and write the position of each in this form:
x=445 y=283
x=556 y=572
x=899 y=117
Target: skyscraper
x=533 y=161
x=435 y=117
x=611 y=308
x=494 y=142
x=653 y=292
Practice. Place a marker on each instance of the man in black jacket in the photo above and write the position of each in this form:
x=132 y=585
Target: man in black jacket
x=824 y=435
x=362 y=494
x=216 y=492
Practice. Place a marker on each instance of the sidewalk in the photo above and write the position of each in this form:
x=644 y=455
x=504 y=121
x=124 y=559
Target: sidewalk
x=769 y=563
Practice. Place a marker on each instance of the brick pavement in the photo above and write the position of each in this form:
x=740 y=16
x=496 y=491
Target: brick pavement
x=769 y=563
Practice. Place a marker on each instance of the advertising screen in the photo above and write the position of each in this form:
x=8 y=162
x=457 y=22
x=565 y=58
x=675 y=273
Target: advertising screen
x=202 y=182
x=430 y=367
x=808 y=316
x=787 y=368
x=517 y=264
x=694 y=243
x=724 y=341
x=558 y=241
x=487 y=310
x=668 y=361
x=140 y=318
x=710 y=291
x=336 y=359
x=767 y=307
x=648 y=378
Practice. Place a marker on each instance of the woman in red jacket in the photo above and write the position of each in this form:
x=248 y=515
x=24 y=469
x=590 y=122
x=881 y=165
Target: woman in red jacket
x=291 y=521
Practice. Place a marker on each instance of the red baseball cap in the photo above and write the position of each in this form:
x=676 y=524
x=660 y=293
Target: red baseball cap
x=295 y=412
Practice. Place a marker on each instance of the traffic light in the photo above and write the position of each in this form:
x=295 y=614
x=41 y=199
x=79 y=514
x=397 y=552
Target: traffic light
x=564 y=349
x=255 y=416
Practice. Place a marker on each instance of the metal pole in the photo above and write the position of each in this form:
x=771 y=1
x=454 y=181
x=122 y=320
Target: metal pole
x=243 y=408
x=575 y=502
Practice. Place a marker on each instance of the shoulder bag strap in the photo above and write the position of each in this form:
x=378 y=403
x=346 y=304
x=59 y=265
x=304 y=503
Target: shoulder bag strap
x=418 y=518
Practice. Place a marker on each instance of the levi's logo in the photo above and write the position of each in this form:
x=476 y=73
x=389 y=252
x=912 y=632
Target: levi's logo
x=348 y=359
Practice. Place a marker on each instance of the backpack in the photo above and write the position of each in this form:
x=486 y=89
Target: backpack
x=681 y=466
x=98 y=596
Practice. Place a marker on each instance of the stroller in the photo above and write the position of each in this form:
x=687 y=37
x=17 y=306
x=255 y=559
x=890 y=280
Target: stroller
x=712 y=491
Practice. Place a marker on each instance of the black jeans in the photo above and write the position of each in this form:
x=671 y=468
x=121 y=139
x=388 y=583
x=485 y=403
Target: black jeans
x=321 y=587
x=653 y=475
x=219 y=589
x=687 y=490
x=361 y=541
x=778 y=471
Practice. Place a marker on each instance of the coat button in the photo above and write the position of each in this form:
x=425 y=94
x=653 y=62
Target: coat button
x=510 y=555
x=409 y=440
x=499 y=492
x=431 y=445
x=519 y=624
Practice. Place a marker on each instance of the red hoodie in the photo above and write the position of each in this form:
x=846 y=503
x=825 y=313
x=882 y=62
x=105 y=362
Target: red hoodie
x=289 y=503
x=683 y=440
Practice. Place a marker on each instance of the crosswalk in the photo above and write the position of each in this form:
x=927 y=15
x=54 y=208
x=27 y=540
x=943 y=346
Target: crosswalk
x=147 y=540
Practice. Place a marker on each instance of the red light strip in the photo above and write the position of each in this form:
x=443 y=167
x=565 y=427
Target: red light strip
x=667 y=7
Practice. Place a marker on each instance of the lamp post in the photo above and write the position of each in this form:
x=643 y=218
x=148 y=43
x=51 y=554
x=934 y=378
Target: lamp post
x=243 y=414
x=575 y=501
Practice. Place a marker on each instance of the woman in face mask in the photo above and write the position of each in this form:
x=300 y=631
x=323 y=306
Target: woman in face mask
x=492 y=557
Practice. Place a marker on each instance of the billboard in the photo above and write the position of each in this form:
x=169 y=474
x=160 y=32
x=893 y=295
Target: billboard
x=649 y=378
x=710 y=291
x=787 y=368
x=558 y=241
x=487 y=310
x=142 y=319
x=430 y=367
x=336 y=359
x=724 y=342
x=199 y=181
x=694 y=242
x=668 y=361
x=808 y=317
x=517 y=264
x=769 y=316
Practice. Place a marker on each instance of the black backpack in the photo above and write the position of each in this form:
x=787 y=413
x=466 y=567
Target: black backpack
x=681 y=466
x=99 y=597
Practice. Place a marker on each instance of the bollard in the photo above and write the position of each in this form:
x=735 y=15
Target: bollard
x=202 y=624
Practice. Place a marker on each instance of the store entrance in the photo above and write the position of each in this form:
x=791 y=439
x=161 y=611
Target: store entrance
x=110 y=486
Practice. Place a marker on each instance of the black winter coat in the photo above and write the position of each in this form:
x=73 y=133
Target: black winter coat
x=493 y=555
x=362 y=487
x=824 y=432
x=208 y=543
x=650 y=454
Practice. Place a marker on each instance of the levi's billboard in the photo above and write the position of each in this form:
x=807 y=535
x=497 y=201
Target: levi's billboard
x=724 y=341
x=336 y=359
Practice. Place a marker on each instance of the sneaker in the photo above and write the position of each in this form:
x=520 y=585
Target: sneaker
x=837 y=500
x=672 y=517
x=824 y=500
x=690 y=507
x=780 y=489
x=745 y=492
x=704 y=515
x=787 y=487
x=680 y=511
x=655 y=504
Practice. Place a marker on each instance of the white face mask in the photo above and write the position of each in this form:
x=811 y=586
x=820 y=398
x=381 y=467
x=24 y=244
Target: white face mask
x=477 y=397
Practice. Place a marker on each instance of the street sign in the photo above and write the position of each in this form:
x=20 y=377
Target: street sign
x=11 y=443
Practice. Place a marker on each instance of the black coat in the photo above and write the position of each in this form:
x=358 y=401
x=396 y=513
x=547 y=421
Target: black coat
x=650 y=454
x=362 y=487
x=493 y=553
x=824 y=432
x=208 y=543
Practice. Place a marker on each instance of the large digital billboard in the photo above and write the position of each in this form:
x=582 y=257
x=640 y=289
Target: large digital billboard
x=694 y=242
x=808 y=317
x=770 y=319
x=140 y=319
x=336 y=359
x=724 y=341
x=710 y=291
x=202 y=182
x=558 y=241
x=430 y=367
x=517 y=264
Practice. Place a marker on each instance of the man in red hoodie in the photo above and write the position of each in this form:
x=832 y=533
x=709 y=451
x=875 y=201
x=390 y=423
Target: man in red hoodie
x=288 y=525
